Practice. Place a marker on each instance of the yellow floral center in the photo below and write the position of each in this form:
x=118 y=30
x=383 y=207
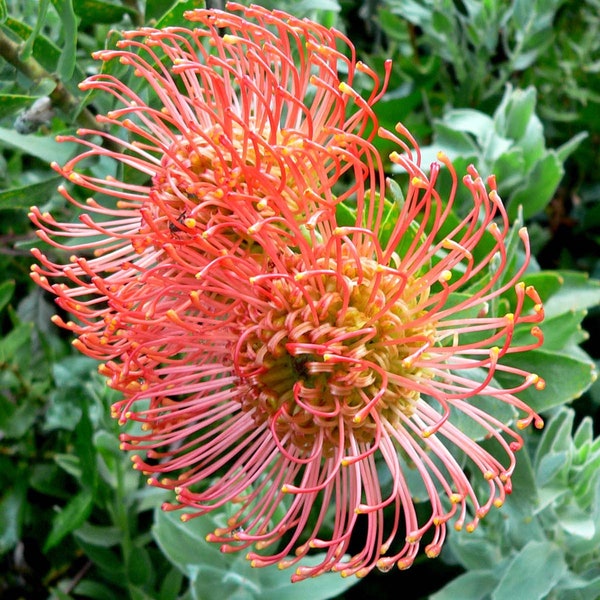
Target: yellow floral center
x=227 y=182
x=332 y=351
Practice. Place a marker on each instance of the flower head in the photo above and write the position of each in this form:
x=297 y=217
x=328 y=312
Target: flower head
x=295 y=337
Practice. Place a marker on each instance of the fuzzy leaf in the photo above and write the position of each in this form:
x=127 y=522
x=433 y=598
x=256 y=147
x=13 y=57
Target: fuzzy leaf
x=547 y=283
x=517 y=108
x=566 y=377
x=538 y=188
x=473 y=585
x=559 y=332
x=578 y=292
x=185 y=546
x=275 y=584
x=533 y=572
x=563 y=152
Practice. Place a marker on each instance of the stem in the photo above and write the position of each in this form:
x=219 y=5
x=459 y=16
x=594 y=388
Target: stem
x=78 y=577
x=31 y=68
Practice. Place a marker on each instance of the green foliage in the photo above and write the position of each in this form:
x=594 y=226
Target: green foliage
x=545 y=545
x=203 y=564
x=463 y=42
x=510 y=144
x=511 y=86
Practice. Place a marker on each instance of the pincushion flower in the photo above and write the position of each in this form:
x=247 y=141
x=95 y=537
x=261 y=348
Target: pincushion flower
x=295 y=338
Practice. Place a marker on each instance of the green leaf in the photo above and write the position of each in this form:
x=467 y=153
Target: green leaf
x=502 y=411
x=68 y=55
x=578 y=292
x=137 y=593
x=185 y=546
x=16 y=419
x=472 y=554
x=574 y=587
x=566 y=377
x=70 y=518
x=556 y=435
x=533 y=144
x=550 y=467
x=585 y=434
x=546 y=283
x=139 y=566
x=509 y=168
x=576 y=522
x=107 y=560
x=581 y=543
x=452 y=142
x=237 y=582
x=97 y=11
x=104 y=536
x=11 y=103
x=345 y=216
x=86 y=452
x=27 y=48
x=538 y=188
x=275 y=584
x=174 y=16
x=73 y=371
x=11 y=342
x=306 y=6
x=26 y=196
x=11 y=516
x=473 y=585
x=107 y=444
x=44 y=148
x=391 y=214
x=514 y=113
x=532 y=573
x=62 y=412
x=45 y=51
x=563 y=152
x=36 y=309
x=7 y=289
x=560 y=331
x=69 y=463
x=470 y=121
x=94 y=590
x=48 y=479
x=59 y=595
x=171 y=585
x=524 y=497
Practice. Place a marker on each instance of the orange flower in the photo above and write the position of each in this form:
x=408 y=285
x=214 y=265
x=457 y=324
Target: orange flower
x=293 y=336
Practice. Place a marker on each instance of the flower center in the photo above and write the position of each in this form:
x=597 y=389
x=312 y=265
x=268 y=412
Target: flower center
x=225 y=183
x=329 y=353
x=188 y=190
